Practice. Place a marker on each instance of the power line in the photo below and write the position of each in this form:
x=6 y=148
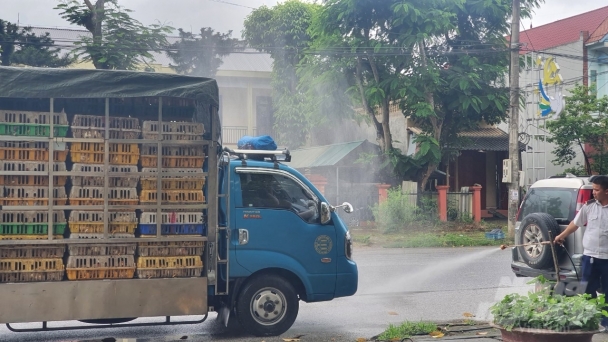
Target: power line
x=230 y=3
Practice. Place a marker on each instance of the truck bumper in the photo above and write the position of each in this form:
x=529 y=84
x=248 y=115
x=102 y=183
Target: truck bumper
x=347 y=282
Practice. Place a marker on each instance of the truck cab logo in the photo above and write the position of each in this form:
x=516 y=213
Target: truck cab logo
x=323 y=244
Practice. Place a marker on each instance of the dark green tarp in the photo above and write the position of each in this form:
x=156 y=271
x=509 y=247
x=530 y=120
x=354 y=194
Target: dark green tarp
x=91 y=83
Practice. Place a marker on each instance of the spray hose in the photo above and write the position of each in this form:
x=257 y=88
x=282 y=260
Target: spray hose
x=503 y=247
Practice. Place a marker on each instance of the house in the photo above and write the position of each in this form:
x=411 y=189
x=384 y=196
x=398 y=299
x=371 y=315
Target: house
x=557 y=56
x=243 y=80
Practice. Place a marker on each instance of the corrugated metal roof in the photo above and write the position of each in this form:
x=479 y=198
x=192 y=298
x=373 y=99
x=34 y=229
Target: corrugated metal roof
x=327 y=155
x=485 y=138
x=246 y=60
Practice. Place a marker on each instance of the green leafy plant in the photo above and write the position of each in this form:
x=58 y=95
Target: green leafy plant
x=406 y=329
x=400 y=212
x=543 y=310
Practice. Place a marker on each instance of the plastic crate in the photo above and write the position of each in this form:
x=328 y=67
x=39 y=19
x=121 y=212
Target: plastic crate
x=495 y=234
x=102 y=249
x=97 y=216
x=173 y=131
x=21 y=116
x=173 y=183
x=31 y=228
x=94 y=196
x=34 y=251
x=173 y=196
x=30 y=237
x=97 y=228
x=168 y=161
x=32 y=195
x=22 y=277
x=97 y=181
x=169 y=267
x=31 y=264
x=31 y=154
x=97 y=158
x=32 y=130
x=92 y=126
x=149 y=230
x=94 y=236
x=6 y=165
x=100 y=147
x=174 y=151
x=100 y=267
x=170 y=248
x=18 y=180
x=172 y=217
x=32 y=217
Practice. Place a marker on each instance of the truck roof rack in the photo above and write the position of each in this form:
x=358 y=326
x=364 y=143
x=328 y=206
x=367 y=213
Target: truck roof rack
x=275 y=156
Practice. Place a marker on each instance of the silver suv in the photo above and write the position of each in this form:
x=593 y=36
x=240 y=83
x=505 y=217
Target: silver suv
x=546 y=211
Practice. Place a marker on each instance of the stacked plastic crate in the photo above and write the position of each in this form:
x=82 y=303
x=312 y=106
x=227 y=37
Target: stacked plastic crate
x=99 y=261
x=31 y=262
x=172 y=258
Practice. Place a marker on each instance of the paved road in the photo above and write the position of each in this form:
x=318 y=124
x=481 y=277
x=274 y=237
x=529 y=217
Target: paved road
x=435 y=284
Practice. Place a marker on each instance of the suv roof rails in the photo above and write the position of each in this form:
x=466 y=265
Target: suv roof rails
x=569 y=175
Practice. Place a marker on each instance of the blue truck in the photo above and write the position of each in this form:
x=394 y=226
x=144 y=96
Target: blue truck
x=104 y=221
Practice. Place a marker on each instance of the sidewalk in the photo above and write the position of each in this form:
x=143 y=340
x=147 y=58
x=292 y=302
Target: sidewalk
x=477 y=332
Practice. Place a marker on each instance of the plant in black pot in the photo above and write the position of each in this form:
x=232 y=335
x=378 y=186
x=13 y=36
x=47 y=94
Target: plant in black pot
x=547 y=317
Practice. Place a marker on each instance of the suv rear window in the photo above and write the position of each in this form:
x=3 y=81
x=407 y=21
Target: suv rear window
x=557 y=202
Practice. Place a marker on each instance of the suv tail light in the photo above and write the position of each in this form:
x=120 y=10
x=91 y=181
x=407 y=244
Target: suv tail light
x=583 y=196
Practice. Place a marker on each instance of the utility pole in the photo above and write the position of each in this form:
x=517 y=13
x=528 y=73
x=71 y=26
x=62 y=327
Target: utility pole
x=514 y=119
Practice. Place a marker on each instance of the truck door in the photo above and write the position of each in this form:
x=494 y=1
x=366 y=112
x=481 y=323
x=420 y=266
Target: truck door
x=278 y=225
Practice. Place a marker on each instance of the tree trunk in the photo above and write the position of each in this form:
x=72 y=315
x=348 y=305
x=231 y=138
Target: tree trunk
x=380 y=132
x=436 y=122
x=94 y=25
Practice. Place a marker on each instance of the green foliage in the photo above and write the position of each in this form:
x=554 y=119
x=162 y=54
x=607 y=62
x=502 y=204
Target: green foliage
x=21 y=46
x=542 y=310
x=406 y=329
x=282 y=31
x=399 y=211
x=118 y=41
x=584 y=120
x=201 y=55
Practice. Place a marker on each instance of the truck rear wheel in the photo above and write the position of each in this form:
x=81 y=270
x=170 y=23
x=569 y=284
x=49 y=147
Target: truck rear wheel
x=267 y=305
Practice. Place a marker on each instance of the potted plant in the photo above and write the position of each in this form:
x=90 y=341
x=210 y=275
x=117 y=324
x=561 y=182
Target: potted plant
x=544 y=316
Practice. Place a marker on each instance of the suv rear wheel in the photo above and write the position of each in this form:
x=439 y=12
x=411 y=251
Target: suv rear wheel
x=535 y=228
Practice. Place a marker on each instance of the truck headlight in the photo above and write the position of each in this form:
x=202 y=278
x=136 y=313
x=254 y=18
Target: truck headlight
x=348 y=248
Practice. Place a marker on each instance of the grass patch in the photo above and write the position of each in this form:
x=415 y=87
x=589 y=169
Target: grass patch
x=406 y=329
x=445 y=240
x=364 y=240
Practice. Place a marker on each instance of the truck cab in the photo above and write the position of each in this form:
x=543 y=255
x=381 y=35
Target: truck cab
x=286 y=243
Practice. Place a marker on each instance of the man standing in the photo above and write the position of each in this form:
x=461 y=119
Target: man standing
x=594 y=263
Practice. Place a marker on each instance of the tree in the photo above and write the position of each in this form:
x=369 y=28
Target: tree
x=584 y=120
x=202 y=55
x=21 y=46
x=283 y=33
x=117 y=41
x=442 y=60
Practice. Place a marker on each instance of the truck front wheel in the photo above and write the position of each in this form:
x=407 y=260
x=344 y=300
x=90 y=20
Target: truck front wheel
x=267 y=305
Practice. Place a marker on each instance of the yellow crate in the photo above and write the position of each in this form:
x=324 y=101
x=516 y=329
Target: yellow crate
x=29 y=237
x=100 y=273
x=32 y=201
x=173 y=196
x=31 y=154
x=173 y=183
x=97 y=158
x=173 y=161
x=99 y=201
x=32 y=264
x=97 y=227
x=100 y=147
x=169 y=262
x=32 y=180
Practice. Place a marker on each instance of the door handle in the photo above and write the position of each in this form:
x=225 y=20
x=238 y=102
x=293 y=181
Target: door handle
x=243 y=236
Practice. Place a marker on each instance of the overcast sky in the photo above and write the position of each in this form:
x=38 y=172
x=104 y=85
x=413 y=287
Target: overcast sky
x=224 y=15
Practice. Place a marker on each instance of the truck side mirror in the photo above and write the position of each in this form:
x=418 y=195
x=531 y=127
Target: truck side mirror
x=325 y=213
